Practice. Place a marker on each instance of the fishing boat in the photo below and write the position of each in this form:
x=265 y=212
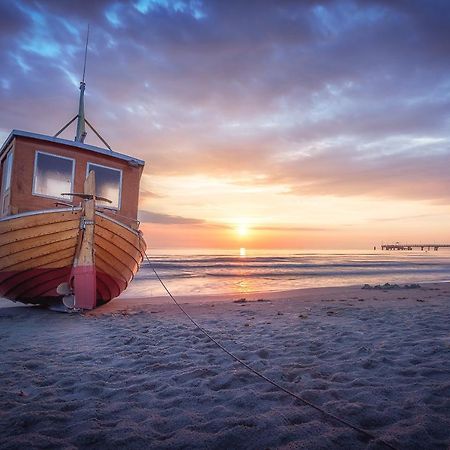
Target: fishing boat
x=69 y=233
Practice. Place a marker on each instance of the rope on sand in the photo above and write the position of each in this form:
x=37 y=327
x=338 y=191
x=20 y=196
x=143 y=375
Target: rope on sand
x=365 y=433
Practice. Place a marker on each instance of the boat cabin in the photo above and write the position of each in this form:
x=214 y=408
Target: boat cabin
x=36 y=170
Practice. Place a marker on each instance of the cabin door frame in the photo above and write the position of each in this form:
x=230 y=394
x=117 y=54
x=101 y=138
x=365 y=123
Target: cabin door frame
x=5 y=195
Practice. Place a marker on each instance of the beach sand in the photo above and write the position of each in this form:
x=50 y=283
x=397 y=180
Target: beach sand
x=137 y=374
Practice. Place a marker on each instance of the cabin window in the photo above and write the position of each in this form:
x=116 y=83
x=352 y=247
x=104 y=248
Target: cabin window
x=108 y=184
x=7 y=169
x=53 y=175
x=6 y=182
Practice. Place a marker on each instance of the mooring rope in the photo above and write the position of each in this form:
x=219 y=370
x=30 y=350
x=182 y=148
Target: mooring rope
x=260 y=375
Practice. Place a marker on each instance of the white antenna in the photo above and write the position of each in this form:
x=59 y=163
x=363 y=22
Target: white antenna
x=85 y=53
x=81 y=126
x=80 y=117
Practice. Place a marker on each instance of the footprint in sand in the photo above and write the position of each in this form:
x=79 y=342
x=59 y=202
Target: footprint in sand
x=263 y=353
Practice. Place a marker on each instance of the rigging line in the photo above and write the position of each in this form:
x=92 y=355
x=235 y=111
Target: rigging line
x=260 y=375
x=65 y=126
x=97 y=134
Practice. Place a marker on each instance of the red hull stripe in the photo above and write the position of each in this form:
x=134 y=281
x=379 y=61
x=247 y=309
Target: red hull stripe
x=103 y=290
x=37 y=285
x=114 y=286
x=21 y=282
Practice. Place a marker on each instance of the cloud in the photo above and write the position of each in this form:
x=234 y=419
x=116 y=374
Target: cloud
x=328 y=97
x=145 y=194
x=166 y=219
x=287 y=229
x=145 y=216
x=408 y=218
x=419 y=174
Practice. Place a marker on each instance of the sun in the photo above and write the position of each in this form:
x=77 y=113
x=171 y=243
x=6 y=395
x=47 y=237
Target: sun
x=242 y=227
x=242 y=230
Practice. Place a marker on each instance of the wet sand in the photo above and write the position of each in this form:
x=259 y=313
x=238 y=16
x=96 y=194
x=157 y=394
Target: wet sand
x=137 y=374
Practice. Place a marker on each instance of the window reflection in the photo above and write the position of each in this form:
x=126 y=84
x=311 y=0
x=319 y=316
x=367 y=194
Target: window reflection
x=53 y=175
x=7 y=168
x=6 y=183
x=107 y=184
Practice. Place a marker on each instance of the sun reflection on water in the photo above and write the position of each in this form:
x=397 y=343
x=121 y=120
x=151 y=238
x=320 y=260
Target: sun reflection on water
x=244 y=287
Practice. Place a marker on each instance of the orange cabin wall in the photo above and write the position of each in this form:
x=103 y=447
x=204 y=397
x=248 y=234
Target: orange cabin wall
x=23 y=200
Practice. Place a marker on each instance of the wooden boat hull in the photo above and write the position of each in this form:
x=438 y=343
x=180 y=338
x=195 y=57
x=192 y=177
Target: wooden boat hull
x=37 y=252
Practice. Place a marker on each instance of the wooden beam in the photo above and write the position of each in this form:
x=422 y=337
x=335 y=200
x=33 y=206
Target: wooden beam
x=84 y=273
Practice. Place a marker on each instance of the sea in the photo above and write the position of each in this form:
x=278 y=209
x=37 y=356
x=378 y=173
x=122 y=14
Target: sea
x=241 y=271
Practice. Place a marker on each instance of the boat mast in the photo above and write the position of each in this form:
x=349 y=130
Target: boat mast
x=80 y=117
x=81 y=124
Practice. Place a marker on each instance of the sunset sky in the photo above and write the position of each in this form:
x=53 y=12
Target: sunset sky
x=263 y=124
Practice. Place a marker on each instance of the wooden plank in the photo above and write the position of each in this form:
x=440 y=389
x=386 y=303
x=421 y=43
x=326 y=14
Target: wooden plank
x=84 y=276
x=34 y=288
x=103 y=289
x=109 y=253
x=124 y=235
x=128 y=234
x=15 y=280
x=47 y=289
x=47 y=261
x=85 y=256
x=25 y=244
x=115 y=286
x=36 y=252
x=114 y=283
x=107 y=268
x=123 y=244
x=40 y=230
x=34 y=220
x=130 y=258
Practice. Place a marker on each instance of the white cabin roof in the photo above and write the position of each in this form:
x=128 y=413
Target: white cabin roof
x=56 y=140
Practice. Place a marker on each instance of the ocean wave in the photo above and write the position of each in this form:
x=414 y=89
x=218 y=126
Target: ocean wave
x=217 y=273
x=285 y=265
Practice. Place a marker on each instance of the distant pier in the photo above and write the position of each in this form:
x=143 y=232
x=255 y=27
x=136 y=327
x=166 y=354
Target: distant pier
x=398 y=246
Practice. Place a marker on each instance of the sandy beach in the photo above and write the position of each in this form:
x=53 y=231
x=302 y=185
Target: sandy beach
x=137 y=374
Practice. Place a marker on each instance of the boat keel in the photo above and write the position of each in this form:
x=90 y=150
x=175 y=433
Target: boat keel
x=84 y=286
